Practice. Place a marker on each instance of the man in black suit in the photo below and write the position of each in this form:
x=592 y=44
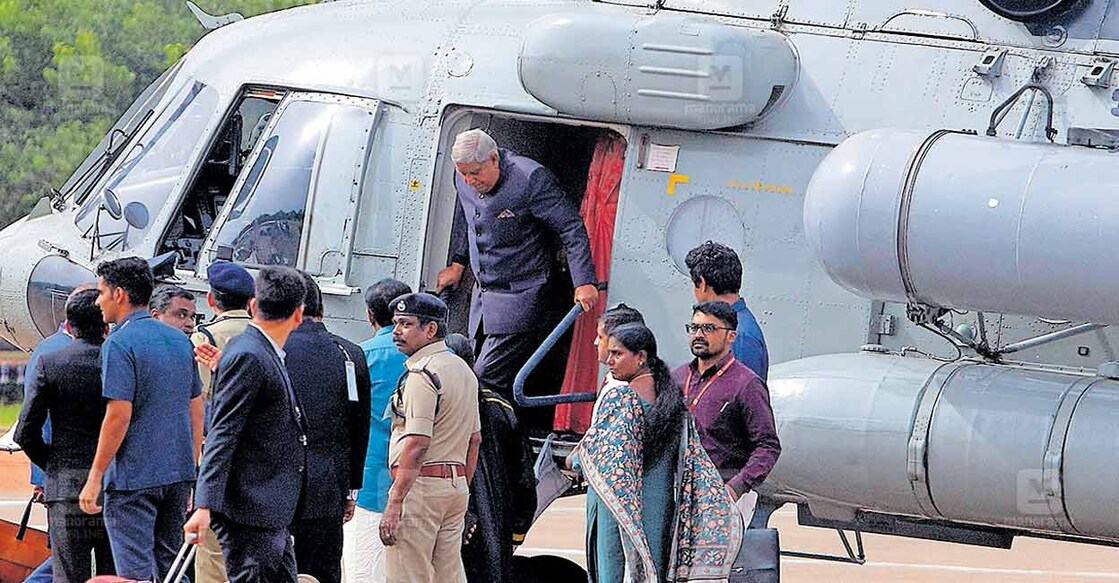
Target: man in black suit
x=66 y=386
x=331 y=381
x=510 y=213
x=253 y=467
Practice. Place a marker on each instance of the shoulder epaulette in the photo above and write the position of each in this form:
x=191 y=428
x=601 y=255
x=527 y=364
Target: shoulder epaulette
x=209 y=336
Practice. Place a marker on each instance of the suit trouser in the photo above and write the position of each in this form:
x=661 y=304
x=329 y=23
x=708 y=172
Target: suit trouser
x=318 y=548
x=254 y=554
x=209 y=566
x=74 y=536
x=363 y=553
x=429 y=540
x=146 y=528
x=500 y=358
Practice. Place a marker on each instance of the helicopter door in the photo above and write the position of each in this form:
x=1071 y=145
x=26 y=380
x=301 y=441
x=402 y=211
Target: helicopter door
x=295 y=203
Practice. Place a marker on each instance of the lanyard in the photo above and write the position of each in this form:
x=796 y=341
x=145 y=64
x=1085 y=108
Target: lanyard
x=699 y=395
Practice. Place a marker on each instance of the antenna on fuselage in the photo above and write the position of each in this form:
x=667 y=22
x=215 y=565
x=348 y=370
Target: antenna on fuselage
x=211 y=22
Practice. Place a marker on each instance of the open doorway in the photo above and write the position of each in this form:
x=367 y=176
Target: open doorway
x=227 y=155
x=573 y=152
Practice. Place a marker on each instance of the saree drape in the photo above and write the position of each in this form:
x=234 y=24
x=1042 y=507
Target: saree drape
x=707 y=529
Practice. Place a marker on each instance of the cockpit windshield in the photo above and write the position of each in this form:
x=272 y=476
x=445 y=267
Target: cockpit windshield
x=87 y=173
x=152 y=166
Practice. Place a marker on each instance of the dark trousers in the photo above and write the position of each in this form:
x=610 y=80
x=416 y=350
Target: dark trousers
x=318 y=548
x=74 y=536
x=254 y=554
x=146 y=528
x=500 y=358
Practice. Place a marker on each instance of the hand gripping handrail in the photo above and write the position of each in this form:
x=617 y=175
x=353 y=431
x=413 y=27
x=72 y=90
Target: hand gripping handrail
x=519 y=395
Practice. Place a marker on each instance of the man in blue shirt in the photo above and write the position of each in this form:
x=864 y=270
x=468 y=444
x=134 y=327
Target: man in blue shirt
x=716 y=274
x=363 y=552
x=152 y=431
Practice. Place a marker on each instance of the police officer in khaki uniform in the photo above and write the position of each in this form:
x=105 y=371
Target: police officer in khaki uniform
x=231 y=286
x=433 y=449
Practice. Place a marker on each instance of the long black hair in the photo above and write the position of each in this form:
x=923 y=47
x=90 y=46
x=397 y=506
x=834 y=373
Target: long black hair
x=661 y=428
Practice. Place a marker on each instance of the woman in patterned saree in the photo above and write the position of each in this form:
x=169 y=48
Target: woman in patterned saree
x=657 y=509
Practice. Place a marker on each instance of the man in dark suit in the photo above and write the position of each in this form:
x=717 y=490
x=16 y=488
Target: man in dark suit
x=253 y=467
x=331 y=381
x=510 y=211
x=66 y=385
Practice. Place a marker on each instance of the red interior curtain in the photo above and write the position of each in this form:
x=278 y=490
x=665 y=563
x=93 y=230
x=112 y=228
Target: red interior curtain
x=600 y=206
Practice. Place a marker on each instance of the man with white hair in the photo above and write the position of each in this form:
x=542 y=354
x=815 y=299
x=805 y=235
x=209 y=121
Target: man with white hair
x=510 y=211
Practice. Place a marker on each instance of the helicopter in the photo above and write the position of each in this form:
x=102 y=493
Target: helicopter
x=921 y=197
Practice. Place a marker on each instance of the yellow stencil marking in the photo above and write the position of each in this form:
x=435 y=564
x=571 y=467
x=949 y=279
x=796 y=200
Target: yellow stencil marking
x=672 y=180
x=759 y=186
x=414 y=184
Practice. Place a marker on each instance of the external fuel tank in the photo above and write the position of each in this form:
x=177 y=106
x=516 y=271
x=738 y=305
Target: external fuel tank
x=962 y=221
x=1020 y=449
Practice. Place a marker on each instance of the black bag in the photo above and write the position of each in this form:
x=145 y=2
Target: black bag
x=759 y=559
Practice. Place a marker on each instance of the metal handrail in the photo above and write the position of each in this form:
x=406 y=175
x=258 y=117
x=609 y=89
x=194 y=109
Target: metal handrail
x=519 y=395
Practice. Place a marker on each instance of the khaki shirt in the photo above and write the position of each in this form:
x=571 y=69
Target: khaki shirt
x=223 y=328
x=448 y=414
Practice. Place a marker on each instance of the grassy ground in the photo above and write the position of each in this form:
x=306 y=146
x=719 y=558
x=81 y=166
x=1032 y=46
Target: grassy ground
x=8 y=416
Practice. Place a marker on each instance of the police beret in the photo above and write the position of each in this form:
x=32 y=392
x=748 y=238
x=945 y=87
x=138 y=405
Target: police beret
x=229 y=278
x=420 y=305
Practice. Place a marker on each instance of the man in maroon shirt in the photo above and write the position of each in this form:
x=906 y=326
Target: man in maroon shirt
x=730 y=404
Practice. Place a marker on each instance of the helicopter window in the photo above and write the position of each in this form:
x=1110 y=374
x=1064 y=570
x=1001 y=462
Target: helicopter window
x=216 y=175
x=265 y=222
x=152 y=167
x=79 y=183
x=336 y=183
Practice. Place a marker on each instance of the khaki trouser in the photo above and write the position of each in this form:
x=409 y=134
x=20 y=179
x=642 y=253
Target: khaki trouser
x=429 y=542
x=209 y=567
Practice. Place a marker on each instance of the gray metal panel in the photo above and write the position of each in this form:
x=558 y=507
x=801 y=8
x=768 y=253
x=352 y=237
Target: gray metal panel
x=997 y=451
x=800 y=310
x=665 y=70
x=845 y=423
x=1052 y=478
x=918 y=450
x=968 y=19
x=832 y=14
x=1003 y=216
x=1091 y=462
x=987 y=441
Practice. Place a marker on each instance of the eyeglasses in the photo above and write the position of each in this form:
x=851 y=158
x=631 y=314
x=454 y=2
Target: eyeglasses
x=704 y=328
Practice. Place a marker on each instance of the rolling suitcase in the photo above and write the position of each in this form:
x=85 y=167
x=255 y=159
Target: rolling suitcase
x=759 y=558
x=179 y=567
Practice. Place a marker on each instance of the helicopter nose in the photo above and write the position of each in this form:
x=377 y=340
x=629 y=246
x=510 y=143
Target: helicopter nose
x=50 y=283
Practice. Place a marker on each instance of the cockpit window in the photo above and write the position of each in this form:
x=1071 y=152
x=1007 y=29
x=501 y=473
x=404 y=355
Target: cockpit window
x=80 y=182
x=265 y=223
x=152 y=166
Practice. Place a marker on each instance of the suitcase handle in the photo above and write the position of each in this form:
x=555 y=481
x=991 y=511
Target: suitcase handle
x=182 y=560
x=26 y=517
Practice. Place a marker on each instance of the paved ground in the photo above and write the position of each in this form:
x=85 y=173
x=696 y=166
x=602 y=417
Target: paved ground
x=889 y=559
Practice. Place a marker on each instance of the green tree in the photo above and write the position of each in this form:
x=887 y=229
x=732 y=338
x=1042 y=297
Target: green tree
x=69 y=69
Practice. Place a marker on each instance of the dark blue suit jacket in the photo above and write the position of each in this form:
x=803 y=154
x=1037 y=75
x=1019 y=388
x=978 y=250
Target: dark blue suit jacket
x=253 y=460
x=66 y=385
x=507 y=236
x=337 y=428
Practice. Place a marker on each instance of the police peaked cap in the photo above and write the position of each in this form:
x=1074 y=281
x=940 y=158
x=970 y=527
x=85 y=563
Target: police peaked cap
x=420 y=305
x=229 y=278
